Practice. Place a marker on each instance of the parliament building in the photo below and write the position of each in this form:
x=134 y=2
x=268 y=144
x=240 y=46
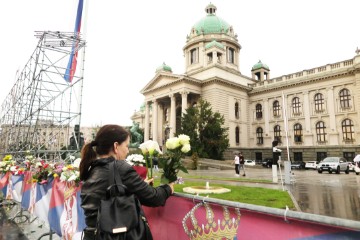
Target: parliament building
x=315 y=112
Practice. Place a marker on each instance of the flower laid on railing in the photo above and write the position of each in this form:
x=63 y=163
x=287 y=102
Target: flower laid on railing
x=6 y=163
x=71 y=172
x=135 y=160
x=29 y=162
x=42 y=171
x=17 y=170
x=176 y=148
x=150 y=149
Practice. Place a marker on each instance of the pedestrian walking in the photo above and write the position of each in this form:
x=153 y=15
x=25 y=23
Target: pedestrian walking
x=242 y=163
x=237 y=163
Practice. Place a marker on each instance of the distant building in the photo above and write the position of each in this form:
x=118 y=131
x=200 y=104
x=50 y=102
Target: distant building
x=322 y=103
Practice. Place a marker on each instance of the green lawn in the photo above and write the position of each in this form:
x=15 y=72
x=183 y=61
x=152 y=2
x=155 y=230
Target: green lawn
x=252 y=195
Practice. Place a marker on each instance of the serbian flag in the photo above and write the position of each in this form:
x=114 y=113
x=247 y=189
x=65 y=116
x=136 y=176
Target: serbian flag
x=71 y=67
x=4 y=181
x=42 y=199
x=29 y=192
x=16 y=187
x=56 y=207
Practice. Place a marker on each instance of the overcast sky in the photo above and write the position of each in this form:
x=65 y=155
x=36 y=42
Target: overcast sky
x=128 y=40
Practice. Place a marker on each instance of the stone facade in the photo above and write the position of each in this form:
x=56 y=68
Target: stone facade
x=315 y=111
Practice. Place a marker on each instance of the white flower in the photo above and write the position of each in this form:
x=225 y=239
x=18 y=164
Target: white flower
x=149 y=147
x=184 y=139
x=13 y=168
x=38 y=164
x=2 y=164
x=72 y=158
x=72 y=178
x=135 y=159
x=172 y=143
x=186 y=148
x=76 y=163
x=63 y=177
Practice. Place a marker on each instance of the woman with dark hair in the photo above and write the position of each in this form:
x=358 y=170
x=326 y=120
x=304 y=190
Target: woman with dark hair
x=111 y=144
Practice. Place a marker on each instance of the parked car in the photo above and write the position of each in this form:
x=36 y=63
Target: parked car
x=334 y=164
x=297 y=165
x=311 y=165
x=249 y=162
x=267 y=162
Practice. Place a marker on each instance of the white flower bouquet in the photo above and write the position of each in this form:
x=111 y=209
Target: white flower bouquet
x=171 y=162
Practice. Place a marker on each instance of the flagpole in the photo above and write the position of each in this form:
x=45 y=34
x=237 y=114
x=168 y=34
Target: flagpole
x=286 y=126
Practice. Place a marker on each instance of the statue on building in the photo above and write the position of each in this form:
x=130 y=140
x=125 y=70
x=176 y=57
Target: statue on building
x=136 y=136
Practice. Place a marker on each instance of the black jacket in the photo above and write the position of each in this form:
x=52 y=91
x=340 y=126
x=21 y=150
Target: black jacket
x=94 y=188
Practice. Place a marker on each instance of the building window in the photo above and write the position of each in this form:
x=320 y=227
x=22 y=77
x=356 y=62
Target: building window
x=345 y=98
x=319 y=102
x=298 y=133
x=349 y=156
x=259 y=136
x=194 y=56
x=320 y=131
x=348 y=130
x=237 y=110
x=277 y=133
x=276 y=108
x=231 y=55
x=296 y=106
x=258 y=109
x=320 y=156
x=237 y=135
x=298 y=156
x=258 y=157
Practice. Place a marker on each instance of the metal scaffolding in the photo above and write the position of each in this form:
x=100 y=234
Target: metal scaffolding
x=42 y=108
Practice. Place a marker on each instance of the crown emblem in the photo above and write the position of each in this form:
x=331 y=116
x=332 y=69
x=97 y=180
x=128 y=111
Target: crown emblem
x=204 y=221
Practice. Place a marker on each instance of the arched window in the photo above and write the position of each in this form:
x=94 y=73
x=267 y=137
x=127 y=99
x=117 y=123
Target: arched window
x=237 y=110
x=194 y=56
x=259 y=136
x=345 y=98
x=237 y=136
x=231 y=55
x=298 y=133
x=319 y=102
x=320 y=131
x=258 y=109
x=276 y=108
x=277 y=133
x=348 y=130
x=296 y=105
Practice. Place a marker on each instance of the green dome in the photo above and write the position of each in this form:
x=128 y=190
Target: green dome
x=211 y=23
x=142 y=107
x=164 y=67
x=260 y=65
x=214 y=43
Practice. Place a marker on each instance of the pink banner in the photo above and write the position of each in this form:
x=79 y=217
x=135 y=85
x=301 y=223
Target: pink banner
x=181 y=218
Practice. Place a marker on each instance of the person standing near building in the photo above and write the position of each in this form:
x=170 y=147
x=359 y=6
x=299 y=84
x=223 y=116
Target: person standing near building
x=237 y=164
x=242 y=163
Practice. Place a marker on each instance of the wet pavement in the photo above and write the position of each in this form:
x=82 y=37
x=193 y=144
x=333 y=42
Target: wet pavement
x=334 y=195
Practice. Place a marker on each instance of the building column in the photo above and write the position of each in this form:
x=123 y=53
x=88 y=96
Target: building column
x=333 y=135
x=331 y=105
x=155 y=120
x=184 y=102
x=306 y=106
x=266 y=117
x=146 y=125
x=172 y=115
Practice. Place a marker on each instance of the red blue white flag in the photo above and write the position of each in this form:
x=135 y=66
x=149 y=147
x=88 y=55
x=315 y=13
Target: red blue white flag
x=71 y=67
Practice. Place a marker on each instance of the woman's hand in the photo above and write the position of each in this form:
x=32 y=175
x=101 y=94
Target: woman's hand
x=171 y=185
x=149 y=180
